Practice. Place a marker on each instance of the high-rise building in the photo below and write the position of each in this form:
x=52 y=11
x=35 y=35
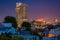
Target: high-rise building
x=56 y=21
x=21 y=13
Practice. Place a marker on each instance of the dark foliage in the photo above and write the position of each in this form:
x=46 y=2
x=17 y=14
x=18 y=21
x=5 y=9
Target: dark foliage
x=10 y=19
x=27 y=25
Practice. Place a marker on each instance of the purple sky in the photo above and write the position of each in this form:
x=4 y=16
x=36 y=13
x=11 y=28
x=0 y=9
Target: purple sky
x=48 y=9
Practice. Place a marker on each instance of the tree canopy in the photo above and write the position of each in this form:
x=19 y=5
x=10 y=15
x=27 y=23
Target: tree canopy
x=10 y=19
x=27 y=25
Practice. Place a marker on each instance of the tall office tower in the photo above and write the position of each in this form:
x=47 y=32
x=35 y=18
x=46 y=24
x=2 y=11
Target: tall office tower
x=21 y=13
x=56 y=20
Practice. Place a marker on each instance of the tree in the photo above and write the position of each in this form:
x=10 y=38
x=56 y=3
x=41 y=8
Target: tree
x=50 y=26
x=10 y=19
x=27 y=25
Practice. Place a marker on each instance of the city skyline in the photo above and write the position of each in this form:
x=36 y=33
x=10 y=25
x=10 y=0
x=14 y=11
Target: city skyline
x=48 y=9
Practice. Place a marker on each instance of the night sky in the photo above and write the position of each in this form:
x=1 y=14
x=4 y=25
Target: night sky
x=48 y=9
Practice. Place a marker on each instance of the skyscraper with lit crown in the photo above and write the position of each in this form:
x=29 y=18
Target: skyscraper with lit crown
x=21 y=13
